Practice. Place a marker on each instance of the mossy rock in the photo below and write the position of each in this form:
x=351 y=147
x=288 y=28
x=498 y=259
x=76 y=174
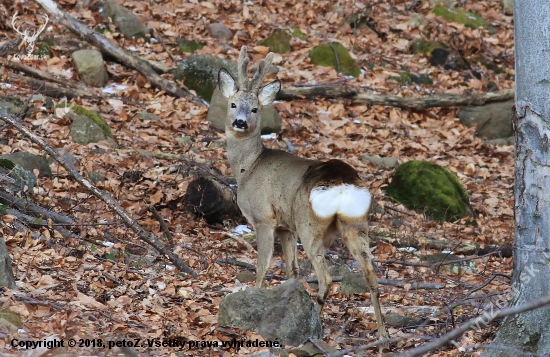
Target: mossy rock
x=12 y=105
x=461 y=16
x=96 y=118
x=424 y=46
x=427 y=187
x=407 y=77
x=278 y=41
x=200 y=73
x=489 y=64
x=324 y=55
x=188 y=46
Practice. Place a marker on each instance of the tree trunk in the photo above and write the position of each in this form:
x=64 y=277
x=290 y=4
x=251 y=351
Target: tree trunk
x=531 y=278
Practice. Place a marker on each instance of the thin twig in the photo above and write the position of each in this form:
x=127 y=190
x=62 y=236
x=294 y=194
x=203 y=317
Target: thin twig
x=163 y=225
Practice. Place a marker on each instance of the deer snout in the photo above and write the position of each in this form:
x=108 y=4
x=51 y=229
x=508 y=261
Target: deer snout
x=240 y=125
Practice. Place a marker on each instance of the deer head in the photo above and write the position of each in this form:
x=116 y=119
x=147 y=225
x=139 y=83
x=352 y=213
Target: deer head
x=246 y=98
x=29 y=38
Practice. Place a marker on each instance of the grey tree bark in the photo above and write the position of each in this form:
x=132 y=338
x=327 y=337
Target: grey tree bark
x=531 y=279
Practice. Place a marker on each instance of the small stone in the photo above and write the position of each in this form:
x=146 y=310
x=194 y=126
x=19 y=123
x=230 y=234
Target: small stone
x=90 y=67
x=220 y=31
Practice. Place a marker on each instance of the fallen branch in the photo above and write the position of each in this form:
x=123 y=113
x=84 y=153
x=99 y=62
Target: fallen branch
x=480 y=320
x=23 y=204
x=94 y=38
x=109 y=201
x=359 y=96
x=52 y=89
x=390 y=282
x=35 y=72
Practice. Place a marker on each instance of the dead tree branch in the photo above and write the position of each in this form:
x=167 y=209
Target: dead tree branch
x=111 y=203
x=359 y=96
x=62 y=17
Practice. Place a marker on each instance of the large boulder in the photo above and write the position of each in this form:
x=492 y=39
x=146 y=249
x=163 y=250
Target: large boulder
x=20 y=178
x=128 y=23
x=271 y=120
x=89 y=127
x=492 y=120
x=429 y=188
x=285 y=312
x=278 y=41
x=200 y=73
x=325 y=55
x=30 y=162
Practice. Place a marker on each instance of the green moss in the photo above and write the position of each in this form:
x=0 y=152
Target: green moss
x=407 y=77
x=188 y=46
x=430 y=188
x=12 y=317
x=325 y=55
x=42 y=48
x=278 y=41
x=424 y=47
x=461 y=16
x=6 y=164
x=79 y=110
x=296 y=32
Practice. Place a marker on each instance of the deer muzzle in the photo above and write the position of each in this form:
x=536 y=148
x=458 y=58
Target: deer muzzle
x=240 y=125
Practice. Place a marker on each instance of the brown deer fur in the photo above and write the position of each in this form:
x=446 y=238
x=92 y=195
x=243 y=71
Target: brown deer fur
x=289 y=197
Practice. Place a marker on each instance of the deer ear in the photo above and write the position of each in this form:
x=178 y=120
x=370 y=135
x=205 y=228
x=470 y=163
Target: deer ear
x=227 y=84
x=267 y=93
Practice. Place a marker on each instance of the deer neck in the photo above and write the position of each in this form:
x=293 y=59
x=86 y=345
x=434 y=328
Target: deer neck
x=243 y=151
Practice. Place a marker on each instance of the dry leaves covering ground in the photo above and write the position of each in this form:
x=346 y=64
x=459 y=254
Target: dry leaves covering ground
x=81 y=288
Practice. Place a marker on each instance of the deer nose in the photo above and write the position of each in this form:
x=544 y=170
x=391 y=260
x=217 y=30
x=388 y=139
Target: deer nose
x=240 y=124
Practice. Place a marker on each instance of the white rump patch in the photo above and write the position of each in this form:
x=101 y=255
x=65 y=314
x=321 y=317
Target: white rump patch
x=347 y=200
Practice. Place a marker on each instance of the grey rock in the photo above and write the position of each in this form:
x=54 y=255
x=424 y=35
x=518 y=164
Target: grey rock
x=501 y=141
x=11 y=106
x=96 y=177
x=90 y=67
x=285 y=313
x=455 y=268
x=128 y=23
x=66 y=156
x=353 y=283
x=143 y=115
x=7 y=278
x=492 y=120
x=382 y=162
x=220 y=31
x=508 y=6
x=16 y=177
x=271 y=120
x=400 y=321
x=246 y=276
x=200 y=73
x=30 y=162
x=85 y=131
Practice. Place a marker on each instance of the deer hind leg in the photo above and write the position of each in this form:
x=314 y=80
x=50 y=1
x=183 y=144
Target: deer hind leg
x=355 y=237
x=312 y=242
x=265 y=236
x=289 y=241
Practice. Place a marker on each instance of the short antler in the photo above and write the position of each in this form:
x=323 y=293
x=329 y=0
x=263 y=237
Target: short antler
x=263 y=67
x=243 y=69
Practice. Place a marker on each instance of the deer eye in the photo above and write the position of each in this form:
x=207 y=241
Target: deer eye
x=233 y=105
x=254 y=110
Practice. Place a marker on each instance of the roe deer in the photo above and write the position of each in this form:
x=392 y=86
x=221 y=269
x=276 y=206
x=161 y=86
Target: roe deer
x=289 y=197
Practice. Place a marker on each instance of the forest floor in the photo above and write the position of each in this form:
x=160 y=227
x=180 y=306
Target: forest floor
x=83 y=289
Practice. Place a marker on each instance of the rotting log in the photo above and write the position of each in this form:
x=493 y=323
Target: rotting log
x=213 y=200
